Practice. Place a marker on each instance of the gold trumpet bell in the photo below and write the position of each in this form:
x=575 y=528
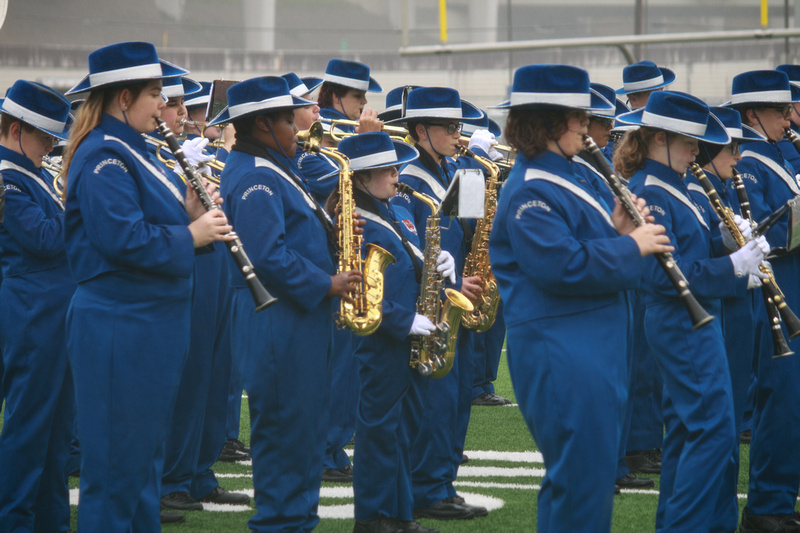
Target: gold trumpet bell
x=456 y=305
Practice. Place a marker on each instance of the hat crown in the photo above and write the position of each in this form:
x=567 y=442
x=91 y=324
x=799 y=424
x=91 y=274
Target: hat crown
x=257 y=90
x=348 y=69
x=433 y=98
x=368 y=143
x=38 y=105
x=122 y=55
x=641 y=71
x=550 y=79
x=729 y=117
x=760 y=81
x=679 y=106
x=791 y=71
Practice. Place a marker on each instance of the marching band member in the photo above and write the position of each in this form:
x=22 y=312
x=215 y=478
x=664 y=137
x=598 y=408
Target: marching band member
x=320 y=174
x=285 y=348
x=764 y=99
x=389 y=409
x=562 y=257
x=343 y=96
x=185 y=484
x=130 y=236
x=788 y=150
x=639 y=80
x=695 y=492
x=36 y=288
x=433 y=119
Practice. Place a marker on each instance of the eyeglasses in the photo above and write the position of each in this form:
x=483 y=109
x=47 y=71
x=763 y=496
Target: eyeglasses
x=450 y=127
x=607 y=123
x=734 y=147
x=784 y=110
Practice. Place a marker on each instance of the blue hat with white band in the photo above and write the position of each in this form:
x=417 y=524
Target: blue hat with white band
x=301 y=87
x=394 y=102
x=644 y=76
x=257 y=96
x=681 y=113
x=792 y=72
x=375 y=149
x=199 y=98
x=553 y=86
x=40 y=106
x=610 y=98
x=123 y=63
x=350 y=74
x=762 y=88
x=426 y=104
x=485 y=124
x=180 y=86
x=732 y=120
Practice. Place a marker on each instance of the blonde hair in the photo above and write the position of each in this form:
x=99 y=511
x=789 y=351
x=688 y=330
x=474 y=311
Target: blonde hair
x=90 y=113
x=632 y=151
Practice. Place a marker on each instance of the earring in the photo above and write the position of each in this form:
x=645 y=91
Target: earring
x=124 y=107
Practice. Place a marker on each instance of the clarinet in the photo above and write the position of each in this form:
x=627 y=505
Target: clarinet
x=261 y=296
x=697 y=314
x=772 y=297
x=786 y=314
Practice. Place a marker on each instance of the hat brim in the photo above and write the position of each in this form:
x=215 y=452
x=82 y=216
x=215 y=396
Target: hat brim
x=795 y=99
x=597 y=104
x=470 y=114
x=715 y=130
x=405 y=154
x=494 y=129
x=312 y=83
x=168 y=70
x=224 y=115
x=667 y=74
x=190 y=87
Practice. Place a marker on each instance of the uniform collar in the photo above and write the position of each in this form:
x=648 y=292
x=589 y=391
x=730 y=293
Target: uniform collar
x=7 y=154
x=662 y=171
x=554 y=163
x=122 y=131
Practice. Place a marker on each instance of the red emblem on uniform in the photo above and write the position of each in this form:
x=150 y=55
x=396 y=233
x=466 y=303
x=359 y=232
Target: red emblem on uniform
x=410 y=226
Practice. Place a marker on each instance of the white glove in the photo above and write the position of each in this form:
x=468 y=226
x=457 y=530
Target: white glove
x=727 y=239
x=446 y=265
x=422 y=326
x=747 y=259
x=753 y=282
x=744 y=226
x=494 y=155
x=483 y=139
x=763 y=245
x=193 y=150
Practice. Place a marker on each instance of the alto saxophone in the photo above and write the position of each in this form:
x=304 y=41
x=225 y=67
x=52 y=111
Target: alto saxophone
x=435 y=354
x=364 y=315
x=477 y=262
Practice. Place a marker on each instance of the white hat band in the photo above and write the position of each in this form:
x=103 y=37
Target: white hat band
x=762 y=96
x=139 y=72
x=299 y=90
x=197 y=101
x=735 y=132
x=360 y=85
x=671 y=123
x=284 y=100
x=565 y=99
x=387 y=158
x=436 y=112
x=173 y=91
x=396 y=107
x=31 y=117
x=643 y=85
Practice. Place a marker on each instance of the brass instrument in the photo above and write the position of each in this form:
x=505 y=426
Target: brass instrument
x=434 y=355
x=364 y=315
x=509 y=152
x=773 y=298
x=477 y=263
x=53 y=166
x=395 y=132
x=213 y=164
x=216 y=143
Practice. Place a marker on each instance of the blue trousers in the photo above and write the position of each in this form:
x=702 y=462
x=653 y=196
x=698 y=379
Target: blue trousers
x=487 y=350
x=37 y=386
x=571 y=391
x=127 y=352
x=700 y=435
x=344 y=397
x=282 y=355
x=436 y=452
x=390 y=405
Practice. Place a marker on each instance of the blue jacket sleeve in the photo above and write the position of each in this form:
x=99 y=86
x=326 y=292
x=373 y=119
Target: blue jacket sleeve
x=35 y=231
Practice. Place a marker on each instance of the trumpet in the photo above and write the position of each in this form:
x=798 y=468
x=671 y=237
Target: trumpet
x=216 y=143
x=53 y=166
x=396 y=132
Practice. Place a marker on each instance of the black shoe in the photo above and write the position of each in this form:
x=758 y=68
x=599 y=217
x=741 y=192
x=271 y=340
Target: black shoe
x=490 y=398
x=378 y=525
x=338 y=475
x=220 y=495
x=776 y=523
x=230 y=454
x=172 y=518
x=644 y=462
x=630 y=481
x=745 y=436
x=477 y=510
x=464 y=459
x=445 y=510
x=180 y=501
x=416 y=527
x=239 y=445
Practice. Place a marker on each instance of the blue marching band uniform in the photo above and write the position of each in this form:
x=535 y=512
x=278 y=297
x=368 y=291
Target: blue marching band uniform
x=116 y=319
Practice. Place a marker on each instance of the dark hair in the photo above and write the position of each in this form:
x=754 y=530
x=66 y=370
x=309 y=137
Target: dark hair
x=707 y=152
x=412 y=130
x=529 y=129
x=245 y=125
x=7 y=120
x=326 y=92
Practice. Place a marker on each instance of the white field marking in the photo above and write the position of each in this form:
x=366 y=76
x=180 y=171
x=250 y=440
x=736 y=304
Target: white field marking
x=511 y=405
x=498 y=471
x=338 y=512
x=494 y=485
x=513 y=457
x=233 y=475
x=336 y=492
